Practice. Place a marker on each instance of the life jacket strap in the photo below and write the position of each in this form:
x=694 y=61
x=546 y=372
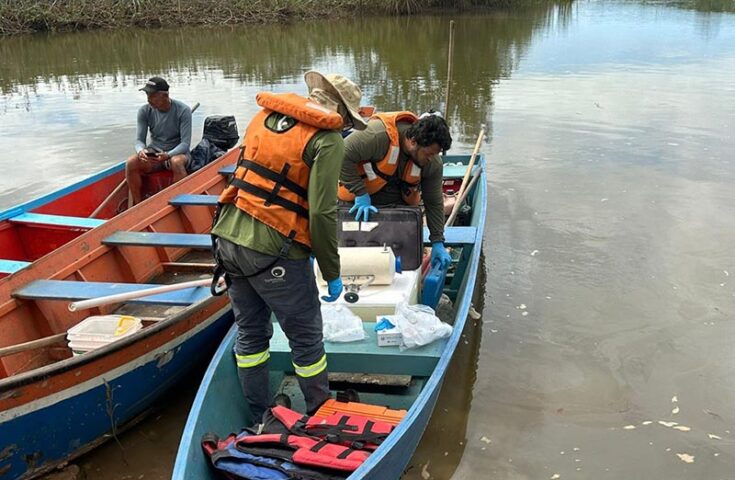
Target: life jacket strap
x=280 y=179
x=266 y=195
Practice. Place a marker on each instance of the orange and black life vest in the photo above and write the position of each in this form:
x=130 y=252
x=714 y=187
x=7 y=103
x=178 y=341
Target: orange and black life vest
x=271 y=180
x=379 y=174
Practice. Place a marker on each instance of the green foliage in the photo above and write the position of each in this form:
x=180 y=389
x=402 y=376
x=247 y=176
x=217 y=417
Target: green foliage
x=27 y=16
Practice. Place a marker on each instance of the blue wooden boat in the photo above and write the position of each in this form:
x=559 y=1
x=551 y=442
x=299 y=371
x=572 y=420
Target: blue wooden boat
x=219 y=405
x=55 y=406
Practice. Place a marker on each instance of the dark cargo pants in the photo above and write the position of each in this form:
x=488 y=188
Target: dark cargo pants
x=288 y=289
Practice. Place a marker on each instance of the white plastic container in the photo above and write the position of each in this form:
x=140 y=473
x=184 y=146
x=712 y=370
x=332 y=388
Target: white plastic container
x=364 y=262
x=100 y=330
x=377 y=300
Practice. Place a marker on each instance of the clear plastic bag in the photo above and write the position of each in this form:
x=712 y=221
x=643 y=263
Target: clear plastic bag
x=419 y=325
x=340 y=324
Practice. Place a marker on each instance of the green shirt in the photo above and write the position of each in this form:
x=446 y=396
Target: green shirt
x=372 y=144
x=325 y=150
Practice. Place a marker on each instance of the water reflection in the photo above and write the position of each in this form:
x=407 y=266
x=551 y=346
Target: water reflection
x=79 y=90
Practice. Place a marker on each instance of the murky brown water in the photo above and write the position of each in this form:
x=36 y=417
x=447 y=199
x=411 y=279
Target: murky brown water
x=609 y=248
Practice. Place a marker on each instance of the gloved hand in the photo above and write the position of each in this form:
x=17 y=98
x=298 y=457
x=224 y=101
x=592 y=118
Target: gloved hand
x=439 y=253
x=334 y=287
x=363 y=207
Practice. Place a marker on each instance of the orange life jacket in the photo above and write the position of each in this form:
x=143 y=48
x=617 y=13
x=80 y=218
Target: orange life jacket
x=378 y=174
x=271 y=180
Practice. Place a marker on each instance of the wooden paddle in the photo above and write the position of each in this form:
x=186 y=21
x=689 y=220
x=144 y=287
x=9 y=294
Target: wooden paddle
x=33 y=344
x=122 y=185
x=460 y=199
x=463 y=188
x=450 y=58
x=122 y=297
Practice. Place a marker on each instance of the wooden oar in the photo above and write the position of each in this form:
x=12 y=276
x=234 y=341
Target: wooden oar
x=460 y=199
x=121 y=297
x=464 y=185
x=109 y=198
x=121 y=185
x=33 y=344
x=471 y=164
x=450 y=58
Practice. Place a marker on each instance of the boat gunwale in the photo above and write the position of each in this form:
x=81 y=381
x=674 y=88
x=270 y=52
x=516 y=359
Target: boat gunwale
x=437 y=376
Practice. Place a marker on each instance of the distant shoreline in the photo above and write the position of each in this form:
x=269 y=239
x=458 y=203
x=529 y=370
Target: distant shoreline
x=32 y=16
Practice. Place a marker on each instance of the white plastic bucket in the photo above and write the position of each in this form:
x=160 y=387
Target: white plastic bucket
x=100 y=330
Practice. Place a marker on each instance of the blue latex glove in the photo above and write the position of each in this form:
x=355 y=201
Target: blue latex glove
x=362 y=207
x=439 y=254
x=334 y=287
x=384 y=324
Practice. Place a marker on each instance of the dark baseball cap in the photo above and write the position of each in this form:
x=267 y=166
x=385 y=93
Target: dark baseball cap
x=155 y=84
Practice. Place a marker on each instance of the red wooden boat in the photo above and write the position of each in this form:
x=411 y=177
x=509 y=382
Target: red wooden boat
x=55 y=406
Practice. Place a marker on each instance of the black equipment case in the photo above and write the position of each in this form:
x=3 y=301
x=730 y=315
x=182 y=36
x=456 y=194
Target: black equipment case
x=400 y=228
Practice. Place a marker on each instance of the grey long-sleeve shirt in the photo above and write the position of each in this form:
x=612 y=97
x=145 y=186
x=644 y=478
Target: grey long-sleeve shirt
x=372 y=144
x=170 y=131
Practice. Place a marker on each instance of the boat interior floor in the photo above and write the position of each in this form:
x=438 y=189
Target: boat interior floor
x=51 y=346
x=193 y=265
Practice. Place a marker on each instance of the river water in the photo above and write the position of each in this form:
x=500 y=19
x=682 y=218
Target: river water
x=604 y=349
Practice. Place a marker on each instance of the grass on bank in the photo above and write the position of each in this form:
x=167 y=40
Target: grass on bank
x=27 y=16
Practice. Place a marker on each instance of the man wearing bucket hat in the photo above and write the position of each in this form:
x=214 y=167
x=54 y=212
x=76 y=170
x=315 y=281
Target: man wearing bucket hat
x=169 y=122
x=394 y=161
x=279 y=209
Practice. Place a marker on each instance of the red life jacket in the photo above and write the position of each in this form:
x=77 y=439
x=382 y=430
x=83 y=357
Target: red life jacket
x=304 y=451
x=234 y=464
x=341 y=442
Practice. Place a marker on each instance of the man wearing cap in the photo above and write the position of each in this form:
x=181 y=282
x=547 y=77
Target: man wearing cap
x=169 y=122
x=395 y=161
x=279 y=209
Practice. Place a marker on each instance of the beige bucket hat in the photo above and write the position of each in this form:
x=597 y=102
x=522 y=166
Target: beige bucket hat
x=343 y=88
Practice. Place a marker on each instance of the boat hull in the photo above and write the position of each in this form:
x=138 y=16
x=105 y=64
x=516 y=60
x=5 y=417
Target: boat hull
x=43 y=434
x=219 y=406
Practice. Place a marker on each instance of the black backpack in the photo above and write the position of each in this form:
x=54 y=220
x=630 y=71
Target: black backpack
x=221 y=130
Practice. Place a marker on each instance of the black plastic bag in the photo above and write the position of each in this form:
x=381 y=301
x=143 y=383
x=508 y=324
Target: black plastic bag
x=202 y=154
x=221 y=130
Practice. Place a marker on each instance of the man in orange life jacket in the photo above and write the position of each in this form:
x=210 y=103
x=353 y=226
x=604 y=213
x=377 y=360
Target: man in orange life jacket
x=280 y=208
x=395 y=161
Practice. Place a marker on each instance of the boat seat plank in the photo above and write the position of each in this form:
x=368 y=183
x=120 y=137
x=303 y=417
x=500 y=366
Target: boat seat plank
x=71 y=290
x=12 y=266
x=364 y=356
x=456 y=235
x=150 y=239
x=57 y=220
x=458 y=171
x=207 y=200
